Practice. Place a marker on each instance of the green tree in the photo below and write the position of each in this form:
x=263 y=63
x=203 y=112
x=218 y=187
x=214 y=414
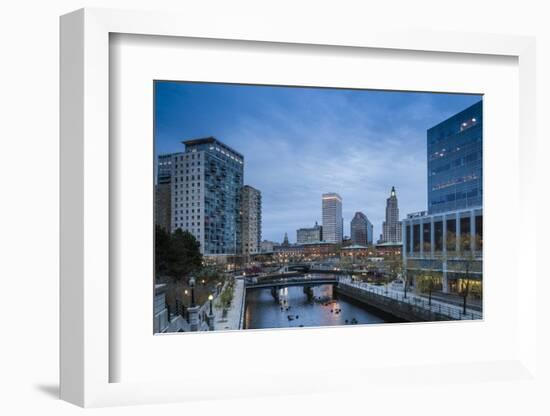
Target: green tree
x=184 y=256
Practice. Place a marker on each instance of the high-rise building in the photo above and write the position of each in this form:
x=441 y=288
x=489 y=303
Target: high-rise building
x=454 y=162
x=391 y=228
x=447 y=240
x=163 y=190
x=206 y=195
x=361 y=230
x=309 y=235
x=251 y=211
x=333 y=224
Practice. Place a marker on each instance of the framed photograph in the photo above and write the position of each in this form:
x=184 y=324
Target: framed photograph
x=243 y=207
x=280 y=233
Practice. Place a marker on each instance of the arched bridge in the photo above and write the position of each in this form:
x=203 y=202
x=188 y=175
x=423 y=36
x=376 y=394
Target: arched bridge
x=287 y=281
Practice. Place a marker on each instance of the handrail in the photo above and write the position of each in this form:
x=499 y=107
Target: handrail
x=436 y=307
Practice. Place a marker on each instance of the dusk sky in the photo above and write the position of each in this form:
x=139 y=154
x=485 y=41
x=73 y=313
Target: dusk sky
x=301 y=142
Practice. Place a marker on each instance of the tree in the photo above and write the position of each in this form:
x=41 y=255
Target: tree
x=184 y=256
x=467 y=260
x=427 y=283
x=162 y=247
x=177 y=255
x=394 y=267
x=407 y=278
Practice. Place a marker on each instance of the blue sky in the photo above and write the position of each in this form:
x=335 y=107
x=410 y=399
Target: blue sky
x=301 y=142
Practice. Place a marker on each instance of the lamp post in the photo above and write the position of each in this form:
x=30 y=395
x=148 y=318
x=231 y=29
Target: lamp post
x=192 y=286
x=193 y=310
x=211 y=314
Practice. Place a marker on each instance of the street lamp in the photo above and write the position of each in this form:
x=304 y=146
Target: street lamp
x=192 y=286
x=210 y=298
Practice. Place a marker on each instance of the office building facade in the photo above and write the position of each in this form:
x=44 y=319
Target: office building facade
x=251 y=211
x=361 y=230
x=309 y=235
x=446 y=241
x=206 y=195
x=333 y=223
x=455 y=153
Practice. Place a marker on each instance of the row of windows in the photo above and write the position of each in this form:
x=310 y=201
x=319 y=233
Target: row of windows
x=455 y=196
x=452 y=232
x=436 y=152
x=229 y=155
x=192 y=217
x=452 y=129
x=187 y=192
x=179 y=175
x=187 y=156
x=198 y=184
x=454 y=181
x=472 y=157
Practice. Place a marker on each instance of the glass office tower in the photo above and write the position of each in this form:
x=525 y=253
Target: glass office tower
x=455 y=162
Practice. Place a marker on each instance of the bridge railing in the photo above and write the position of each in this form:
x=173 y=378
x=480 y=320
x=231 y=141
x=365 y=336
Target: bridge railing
x=451 y=311
x=284 y=280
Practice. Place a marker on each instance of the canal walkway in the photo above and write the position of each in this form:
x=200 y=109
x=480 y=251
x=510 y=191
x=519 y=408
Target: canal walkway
x=451 y=311
x=234 y=317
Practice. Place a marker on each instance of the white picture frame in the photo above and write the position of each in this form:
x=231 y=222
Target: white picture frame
x=86 y=352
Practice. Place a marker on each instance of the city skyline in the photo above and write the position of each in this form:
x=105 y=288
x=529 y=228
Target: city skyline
x=299 y=143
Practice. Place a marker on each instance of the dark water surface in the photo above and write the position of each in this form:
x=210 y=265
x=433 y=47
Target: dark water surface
x=295 y=310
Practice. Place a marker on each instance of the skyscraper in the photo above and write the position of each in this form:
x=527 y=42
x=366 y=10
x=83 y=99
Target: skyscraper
x=437 y=240
x=309 y=235
x=361 y=229
x=206 y=194
x=333 y=224
x=454 y=162
x=251 y=211
x=391 y=228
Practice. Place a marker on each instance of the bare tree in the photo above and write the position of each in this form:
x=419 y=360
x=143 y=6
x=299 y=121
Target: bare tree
x=428 y=283
x=467 y=259
x=394 y=267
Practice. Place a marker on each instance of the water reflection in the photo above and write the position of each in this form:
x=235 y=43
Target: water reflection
x=295 y=308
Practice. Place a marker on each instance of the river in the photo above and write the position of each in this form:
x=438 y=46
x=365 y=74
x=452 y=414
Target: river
x=295 y=310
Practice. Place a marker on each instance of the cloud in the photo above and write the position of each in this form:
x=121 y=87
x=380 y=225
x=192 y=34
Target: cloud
x=299 y=143
x=293 y=159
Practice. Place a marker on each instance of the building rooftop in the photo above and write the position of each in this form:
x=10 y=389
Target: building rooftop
x=210 y=140
x=458 y=116
x=332 y=195
x=389 y=244
x=354 y=247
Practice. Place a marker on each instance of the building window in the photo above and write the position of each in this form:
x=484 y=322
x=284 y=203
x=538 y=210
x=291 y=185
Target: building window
x=416 y=237
x=451 y=235
x=479 y=232
x=465 y=233
x=438 y=235
x=426 y=236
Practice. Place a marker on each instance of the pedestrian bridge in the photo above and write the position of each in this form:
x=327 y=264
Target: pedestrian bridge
x=280 y=281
